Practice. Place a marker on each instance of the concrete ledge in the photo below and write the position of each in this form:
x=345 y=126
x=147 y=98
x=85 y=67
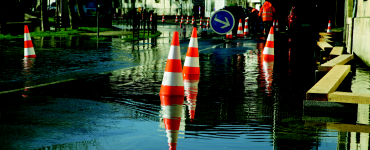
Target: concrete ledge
x=341 y=126
x=347 y=97
x=324 y=45
x=324 y=40
x=336 y=51
x=323 y=33
x=340 y=60
x=329 y=83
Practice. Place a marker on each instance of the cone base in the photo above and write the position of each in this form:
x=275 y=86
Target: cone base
x=229 y=36
x=239 y=35
x=30 y=56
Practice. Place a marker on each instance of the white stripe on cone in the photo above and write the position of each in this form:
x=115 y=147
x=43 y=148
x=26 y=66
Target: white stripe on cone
x=193 y=42
x=172 y=79
x=191 y=61
x=174 y=52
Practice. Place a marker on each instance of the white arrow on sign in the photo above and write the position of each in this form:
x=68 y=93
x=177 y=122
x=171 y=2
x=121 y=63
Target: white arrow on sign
x=226 y=24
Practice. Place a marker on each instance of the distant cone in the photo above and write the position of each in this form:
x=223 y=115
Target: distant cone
x=200 y=21
x=208 y=22
x=229 y=35
x=246 y=28
x=329 y=28
x=192 y=20
x=29 y=51
x=182 y=19
x=150 y=17
x=176 y=19
x=239 y=33
x=142 y=16
x=172 y=83
x=163 y=18
x=268 y=51
x=277 y=26
x=204 y=32
x=191 y=64
x=187 y=20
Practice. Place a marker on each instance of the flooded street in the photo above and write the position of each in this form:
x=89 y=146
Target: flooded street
x=80 y=94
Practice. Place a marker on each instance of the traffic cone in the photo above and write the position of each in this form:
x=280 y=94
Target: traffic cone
x=176 y=19
x=182 y=19
x=187 y=20
x=268 y=51
x=246 y=28
x=229 y=35
x=114 y=16
x=29 y=51
x=172 y=83
x=191 y=64
x=163 y=18
x=277 y=26
x=200 y=23
x=204 y=33
x=239 y=33
x=329 y=28
x=208 y=22
x=192 y=20
x=142 y=17
x=150 y=17
x=273 y=24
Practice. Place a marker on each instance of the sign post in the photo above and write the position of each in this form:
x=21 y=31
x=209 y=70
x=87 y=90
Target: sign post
x=222 y=21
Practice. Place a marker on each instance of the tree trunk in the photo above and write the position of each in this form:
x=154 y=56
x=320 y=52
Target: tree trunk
x=80 y=11
x=44 y=16
x=72 y=14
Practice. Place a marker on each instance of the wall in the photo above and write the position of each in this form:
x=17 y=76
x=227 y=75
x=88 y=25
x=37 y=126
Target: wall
x=166 y=7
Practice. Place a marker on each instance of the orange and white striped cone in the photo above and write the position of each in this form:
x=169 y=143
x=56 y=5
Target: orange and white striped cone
x=268 y=51
x=114 y=16
x=163 y=18
x=208 y=22
x=29 y=51
x=329 y=28
x=171 y=112
x=277 y=26
x=229 y=35
x=187 y=20
x=172 y=83
x=182 y=19
x=192 y=20
x=239 y=33
x=246 y=28
x=191 y=92
x=191 y=64
x=200 y=21
x=150 y=17
x=176 y=19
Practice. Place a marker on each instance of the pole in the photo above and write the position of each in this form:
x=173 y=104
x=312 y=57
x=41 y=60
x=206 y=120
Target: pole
x=97 y=21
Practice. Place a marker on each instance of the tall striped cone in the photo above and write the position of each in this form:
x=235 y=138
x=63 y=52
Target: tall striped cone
x=239 y=33
x=268 y=51
x=277 y=26
x=246 y=28
x=29 y=51
x=171 y=112
x=176 y=19
x=208 y=22
x=191 y=64
x=191 y=92
x=150 y=17
x=163 y=18
x=187 y=20
x=200 y=21
x=182 y=19
x=329 y=28
x=172 y=83
x=192 y=20
x=229 y=35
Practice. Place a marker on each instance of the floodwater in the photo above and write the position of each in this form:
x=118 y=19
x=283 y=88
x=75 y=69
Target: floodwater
x=77 y=94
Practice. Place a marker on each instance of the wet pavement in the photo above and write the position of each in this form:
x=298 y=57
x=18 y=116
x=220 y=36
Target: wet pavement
x=80 y=94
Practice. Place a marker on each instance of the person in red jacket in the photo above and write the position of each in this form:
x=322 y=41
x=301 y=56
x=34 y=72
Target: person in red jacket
x=267 y=13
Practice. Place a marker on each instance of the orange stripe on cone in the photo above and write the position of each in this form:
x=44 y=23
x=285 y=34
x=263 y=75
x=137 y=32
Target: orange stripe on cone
x=29 y=51
x=191 y=64
x=268 y=52
x=172 y=83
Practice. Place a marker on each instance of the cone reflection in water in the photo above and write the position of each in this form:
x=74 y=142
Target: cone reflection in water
x=28 y=64
x=191 y=92
x=268 y=67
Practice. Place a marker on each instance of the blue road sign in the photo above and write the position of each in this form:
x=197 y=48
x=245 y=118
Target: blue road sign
x=222 y=21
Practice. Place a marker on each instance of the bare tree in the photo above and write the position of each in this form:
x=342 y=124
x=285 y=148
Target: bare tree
x=72 y=14
x=80 y=10
x=44 y=16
